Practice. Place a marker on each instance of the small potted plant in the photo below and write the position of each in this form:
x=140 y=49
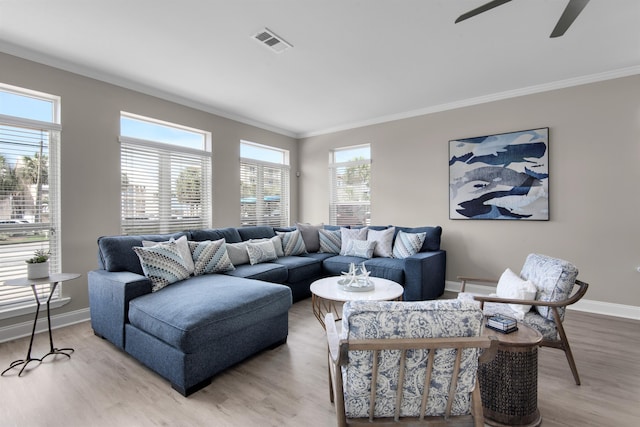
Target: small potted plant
x=38 y=265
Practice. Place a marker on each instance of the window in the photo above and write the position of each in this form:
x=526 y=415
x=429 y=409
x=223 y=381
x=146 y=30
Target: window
x=29 y=192
x=165 y=176
x=350 y=175
x=264 y=181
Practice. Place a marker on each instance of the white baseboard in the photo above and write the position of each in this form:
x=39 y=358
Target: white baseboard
x=588 y=306
x=20 y=330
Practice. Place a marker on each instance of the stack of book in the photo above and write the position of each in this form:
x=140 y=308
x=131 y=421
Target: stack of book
x=502 y=323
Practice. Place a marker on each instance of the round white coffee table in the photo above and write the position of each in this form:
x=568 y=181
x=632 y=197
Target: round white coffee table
x=325 y=293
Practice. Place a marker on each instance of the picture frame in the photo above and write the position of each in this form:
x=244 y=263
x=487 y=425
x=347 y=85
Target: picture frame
x=500 y=177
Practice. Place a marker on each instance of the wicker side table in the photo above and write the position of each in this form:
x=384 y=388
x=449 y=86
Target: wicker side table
x=509 y=383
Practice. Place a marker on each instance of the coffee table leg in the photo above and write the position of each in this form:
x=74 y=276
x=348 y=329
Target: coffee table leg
x=321 y=307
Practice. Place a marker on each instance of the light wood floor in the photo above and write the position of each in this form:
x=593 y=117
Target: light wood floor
x=102 y=386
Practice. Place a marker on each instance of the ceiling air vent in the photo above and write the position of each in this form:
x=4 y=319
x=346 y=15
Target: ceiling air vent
x=269 y=39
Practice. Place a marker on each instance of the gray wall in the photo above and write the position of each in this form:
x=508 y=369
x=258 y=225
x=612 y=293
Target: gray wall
x=90 y=156
x=594 y=174
x=594 y=154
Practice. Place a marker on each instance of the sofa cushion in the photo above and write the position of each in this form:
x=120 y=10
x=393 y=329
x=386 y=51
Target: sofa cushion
x=407 y=244
x=256 y=232
x=230 y=234
x=319 y=256
x=301 y=268
x=432 y=238
x=210 y=257
x=162 y=264
x=267 y=271
x=338 y=264
x=387 y=268
x=115 y=253
x=199 y=310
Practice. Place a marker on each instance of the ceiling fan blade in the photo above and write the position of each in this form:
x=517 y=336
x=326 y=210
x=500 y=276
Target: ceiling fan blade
x=483 y=8
x=571 y=12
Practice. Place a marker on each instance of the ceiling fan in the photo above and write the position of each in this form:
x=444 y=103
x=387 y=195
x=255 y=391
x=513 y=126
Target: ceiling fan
x=571 y=12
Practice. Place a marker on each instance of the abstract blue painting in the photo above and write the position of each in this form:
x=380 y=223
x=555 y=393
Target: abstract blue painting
x=504 y=176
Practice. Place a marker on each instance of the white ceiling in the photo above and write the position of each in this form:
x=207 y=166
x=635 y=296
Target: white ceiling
x=354 y=62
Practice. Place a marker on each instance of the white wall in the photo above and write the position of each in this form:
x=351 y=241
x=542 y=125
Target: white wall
x=90 y=157
x=594 y=175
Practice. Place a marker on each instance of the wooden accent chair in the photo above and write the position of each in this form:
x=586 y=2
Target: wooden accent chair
x=554 y=280
x=409 y=363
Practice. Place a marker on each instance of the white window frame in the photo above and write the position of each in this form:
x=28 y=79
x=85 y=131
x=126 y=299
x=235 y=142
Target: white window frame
x=258 y=209
x=153 y=191
x=349 y=204
x=17 y=301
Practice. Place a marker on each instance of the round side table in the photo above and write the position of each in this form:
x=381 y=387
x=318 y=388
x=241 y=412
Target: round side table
x=509 y=383
x=54 y=280
x=325 y=293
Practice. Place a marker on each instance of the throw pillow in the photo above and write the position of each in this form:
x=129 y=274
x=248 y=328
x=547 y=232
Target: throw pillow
x=162 y=264
x=310 y=236
x=292 y=243
x=330 y=241
x=210 y=257
x=183 y=248
x=351 y=234
x=384 y=241
x=238 y=253
x=277 y=244
x=407 y=244
x=360 y=248
x=512 y=286
x=261 y=252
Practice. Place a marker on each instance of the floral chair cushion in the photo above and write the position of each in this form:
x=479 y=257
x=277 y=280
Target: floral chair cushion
x=423 y=319
x=553 y=277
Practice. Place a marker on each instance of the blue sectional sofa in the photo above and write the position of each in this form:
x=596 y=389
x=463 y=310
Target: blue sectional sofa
x=194 y=328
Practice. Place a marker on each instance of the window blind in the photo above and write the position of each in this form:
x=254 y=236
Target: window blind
x=350 y=192
x=29 y=203
x=164 y=188
x=264 y=195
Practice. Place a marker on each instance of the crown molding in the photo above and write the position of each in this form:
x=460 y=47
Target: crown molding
x=530 y=90
x=95 y=74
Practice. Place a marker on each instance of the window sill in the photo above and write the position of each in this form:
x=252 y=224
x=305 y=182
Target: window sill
x=30 y=308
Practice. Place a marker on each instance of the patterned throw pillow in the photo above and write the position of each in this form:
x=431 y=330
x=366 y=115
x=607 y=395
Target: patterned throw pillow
x=330 y=241
x=277 y=244
x=292 y=243
x=384 y=241
x=360 y=248
x=210 y=257
x=162 y=264
x=349 y=234
x=261 y=252
x=408 y=244
x=183 y=247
